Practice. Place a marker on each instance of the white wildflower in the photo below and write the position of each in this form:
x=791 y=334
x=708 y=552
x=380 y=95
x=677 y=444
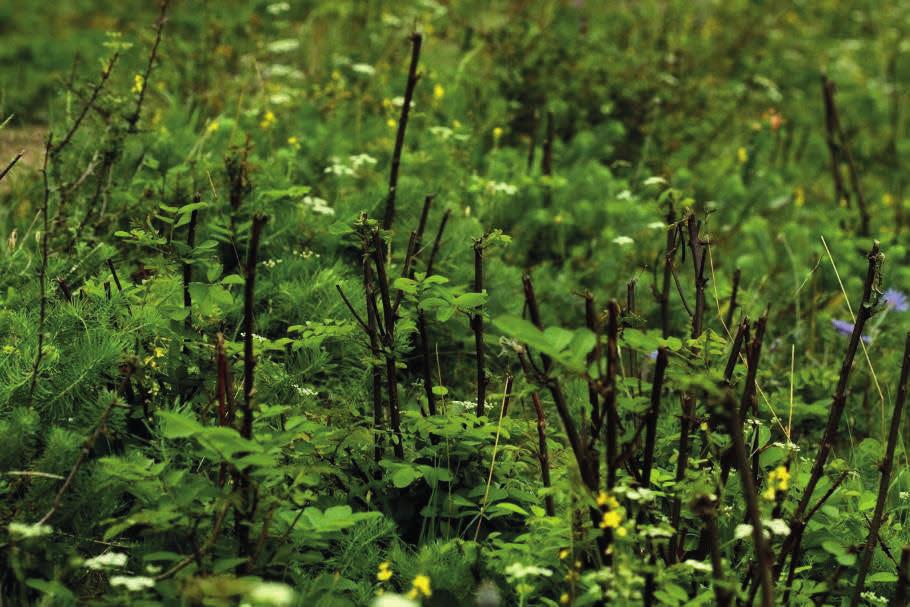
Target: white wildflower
x=519 y=571
x=657 y=225
x=133 y=583
x=272 y=593
x=318 y=205
x=359 y=160
x=655 y=180
x=393 y=600
x=277 y=8
x=778 y=526
x=742 y=531
x=364 y=68
x=624 y=195
x=698 y=566
x=26 y=531
x=283 y=46
x=107 y=560
x=500 y=187
x=623 y=240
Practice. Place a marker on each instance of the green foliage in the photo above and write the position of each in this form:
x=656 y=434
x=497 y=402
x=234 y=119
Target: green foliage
x=571 y=142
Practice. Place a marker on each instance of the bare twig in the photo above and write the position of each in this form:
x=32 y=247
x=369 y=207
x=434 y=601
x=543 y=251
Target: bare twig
x=413 y=77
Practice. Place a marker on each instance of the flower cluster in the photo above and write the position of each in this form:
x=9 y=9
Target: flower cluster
x=778 y=480
x=420 y=588
x=612 y=515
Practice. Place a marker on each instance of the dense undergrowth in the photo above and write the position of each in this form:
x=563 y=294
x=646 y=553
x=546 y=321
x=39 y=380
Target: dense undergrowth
x=511 y=303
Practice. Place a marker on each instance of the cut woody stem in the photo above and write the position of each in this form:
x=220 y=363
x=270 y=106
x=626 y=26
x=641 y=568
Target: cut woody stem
x=543 y=453
x=870 y=296
x=887 y=466
x=413 y=77
x=763 y=555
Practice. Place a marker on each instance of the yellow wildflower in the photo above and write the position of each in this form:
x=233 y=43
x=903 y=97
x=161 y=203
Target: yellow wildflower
x=605 y=499
x=497 y=133
x=782 y=476
x=9 y=349
x=703 y=426
x=385 y=571
x=564 y=598
x=294 y=142
x=456 y=124
x=742 y=154
x=213 y=126
x=268 y=119
x=420 y=587
x=392 y=123
x=138 y=83
x=438 y=91
x=611 y=520
x=622 y=532
x=888 y=199
x=770 y=493
x=159 y=351
x=563 y=554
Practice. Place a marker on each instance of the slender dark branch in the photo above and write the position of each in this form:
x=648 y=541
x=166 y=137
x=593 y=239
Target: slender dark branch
x=413 y=76
x=249 y=302
x=836 y=410
x=653 y=415
x=105 y=75
x=763 y=556
x=534 y=311
x=477 y=327
x=389 y=336
x=543 y=454
x=10 y=166
x=350 y=307
x=153 y=54
x=886 y=468
x=902 y=591
x=833 y=122
x=546 y=163
x=42 y=270
x=733 y=304
x=591 y=321
x=706 y=508
x=208 y=545
x=668 y=272
x=187 y=264
x=437 y=241
x=87 y=447
x=612 y=415
x=375 y=352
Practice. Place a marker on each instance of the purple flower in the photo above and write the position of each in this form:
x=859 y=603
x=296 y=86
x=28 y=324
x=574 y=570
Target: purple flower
x=846 y=328
x=653 y=355
x=896 y=300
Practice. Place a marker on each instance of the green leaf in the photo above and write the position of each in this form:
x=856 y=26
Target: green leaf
x=177 y=425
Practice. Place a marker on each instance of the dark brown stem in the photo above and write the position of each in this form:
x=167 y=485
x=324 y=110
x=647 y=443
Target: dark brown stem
x=543 y=453
x=96 y=90
x=42 y=270
x=668 y=273
x=546 y=163
x=87 y=447
x=249 y=302
x=840 y=192
x=706 y=508
x=731 y=308
x=187 y=265
x=886 y=468
x=828 y=89
x=836 y=410
x=477 y=327
x=12 y=163
x=652 y=416
x=413 y=76
x=591 y=321
x=902 y=591
x=534 y=311
x=437 y=242
x=375 y=353
x=389 y=336
x=153 y=54
x=763 y=557
x=612 y=414
x=350 y=307
x=697 y=249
